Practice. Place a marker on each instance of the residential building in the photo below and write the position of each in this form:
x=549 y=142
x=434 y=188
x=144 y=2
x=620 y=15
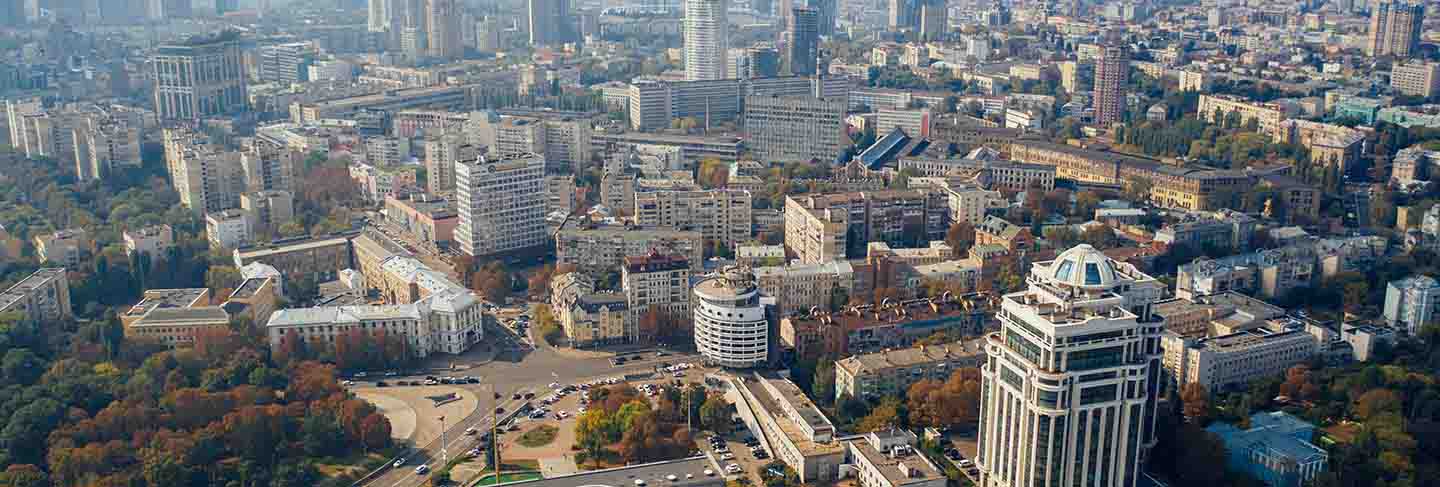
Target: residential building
x=559 y=194
x=1196 y=188
x=890 y=373
x=1213 y=315
x=997 y=231
x=228 y=229
x=41 y=297
x=1112 y=72
x=596 y=319
x=155 y=241
x=1330 y=145
x=1413 y=164
x=1216 y=109
x=892 y=324
x=207 y=177
x=1275 y=449
x=66 y=248
x=1077 y=359
x=199 y=78
x=825 y=227
x=889 y=459
x=266 y=211
x=549 y=22
x=110 y=142
x=1395 y=28
x=1276 y=272
x=1416 y=79
x=599 y=249
x=447 y=323
x=501 y=204
x=442 y=151
x=806 y=288
x=731 y=329
x=266 y=166
x=442 y=26
x=656 y=283
x=707 y=39
x=795 y=128
x=792 y=426
x=1231 y=231
x=1412 y=303
x=721 y=215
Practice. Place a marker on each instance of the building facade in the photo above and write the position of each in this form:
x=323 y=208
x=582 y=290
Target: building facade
x=1412 y=303
x=501 y=204
x=199 y=79
x=795 y=128
x=707 y=39
x=730 y=324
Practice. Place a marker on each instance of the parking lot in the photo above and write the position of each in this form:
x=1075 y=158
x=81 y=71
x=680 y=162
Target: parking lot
x=738 y=453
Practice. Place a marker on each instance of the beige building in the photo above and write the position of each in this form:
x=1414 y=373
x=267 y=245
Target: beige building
x=424 y=217
x=599 y=249
x=1194 y=81
x=175 y=317
x=720 y=215
x=66 y=247
x=596 y=319
x=1330 y=145
x=501 y=204
x=316 y=258
x=155 y=240
x=441 y=153
x=228 y=229
x=268 y=166
x=818 y=227
x=559 y=194
x=207 y=177
x=889 y=459
x=1395 y=28
x=795 y=128
x=1236 y=359
x=1215 y=108
x=656 y=282
x=41 y=297
x=795 y=430
x=799 y=288
x=199 y=78
x=892 y=372
x=1416 y=79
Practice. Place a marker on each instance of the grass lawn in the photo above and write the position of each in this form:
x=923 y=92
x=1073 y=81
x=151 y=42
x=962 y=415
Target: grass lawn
x=539 y=436
x=507 y=477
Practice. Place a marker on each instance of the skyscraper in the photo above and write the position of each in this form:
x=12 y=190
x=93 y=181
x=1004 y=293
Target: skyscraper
x=932 y=18
x=223 y=7
x=707 y=39
x=1071 y=379
x=199 y=78
x=825 y=11
x=549 y=21
x=1112 y=71
x=904 y=14
x=287 y=63
x=803 y=41
x=442 y=26
x=378 y=18
x=1395 y=28
x=487 y=35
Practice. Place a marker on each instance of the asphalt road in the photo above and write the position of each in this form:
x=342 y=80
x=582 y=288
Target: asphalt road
x=518 y=367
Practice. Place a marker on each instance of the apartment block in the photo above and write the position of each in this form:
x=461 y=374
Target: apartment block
x=442 y=151
x=598 y=249
x=155 y=241
x=1330 y=145
x=891 y=372
x=1236 y=359
x=67 y=247
x=657 y=283
x=1232 y=231
x=1412 y=303
x=1275 y=272
x=501 y=204
x=41 y=297
x=1216 y=108
x=805 y=288
x=819 y=228
x=915 y=122
x=228 y=229
x=894 y=324
x=207 y=177
x=1416 y=79
x=424 y=217
x=720 y=215
x=266 y=211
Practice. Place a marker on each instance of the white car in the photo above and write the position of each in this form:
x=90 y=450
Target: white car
x=732 y=468
x=471 y=430
x=422 y=470
x=348 y=383
x=399 y=462
x=727 y=456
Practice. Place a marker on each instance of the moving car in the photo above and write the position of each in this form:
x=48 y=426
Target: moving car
x=399 y=462
x=422 y=470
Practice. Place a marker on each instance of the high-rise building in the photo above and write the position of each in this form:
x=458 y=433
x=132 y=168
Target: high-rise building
x=207 y=178
x=804 y=41
x=223 y=7
x=199 y=78
x=1412 y=303
x=268 y=166
x=110 y=142
x=1072 y=376
x=795 y=128
x=903 y=14
x=443 y=29
x=378 y=17
x=826 y=12
x=441 y=153
x=1395 y=27
x=707 y=39
x=932 y=19
x=549 y=21
x=501 y=204
x=730 y=325
x=1416 y=79
x=287 y=63
x=487 y=35
x=1112 y=71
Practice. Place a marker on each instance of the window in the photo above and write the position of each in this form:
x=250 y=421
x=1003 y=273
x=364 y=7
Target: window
x=1092 y=395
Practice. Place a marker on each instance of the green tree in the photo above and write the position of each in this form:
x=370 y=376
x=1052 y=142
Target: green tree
x=824 y=385
x=593 y=431
x=715 y=414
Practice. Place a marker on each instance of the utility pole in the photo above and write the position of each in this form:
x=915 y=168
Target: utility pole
x=444 y=456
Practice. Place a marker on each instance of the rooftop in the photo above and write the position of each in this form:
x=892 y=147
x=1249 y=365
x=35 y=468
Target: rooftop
x=907 y=357
x=901 y=466
x=656 y=262
x=28 y=285
x=169 y=298
x=688 y=472
x=210 y=315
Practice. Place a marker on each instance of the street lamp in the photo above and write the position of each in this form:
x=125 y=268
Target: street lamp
x=444 y=456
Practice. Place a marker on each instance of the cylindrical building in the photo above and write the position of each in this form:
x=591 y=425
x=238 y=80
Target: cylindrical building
x=730 y=325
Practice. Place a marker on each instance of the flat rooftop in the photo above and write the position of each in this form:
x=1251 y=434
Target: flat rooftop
x=168 y=298
x=247 y=253
x=688 y=472
x=204 y=315
x=29 y=284
x=903 y=468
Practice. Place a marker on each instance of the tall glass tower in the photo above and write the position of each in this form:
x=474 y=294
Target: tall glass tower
x=1070 y=380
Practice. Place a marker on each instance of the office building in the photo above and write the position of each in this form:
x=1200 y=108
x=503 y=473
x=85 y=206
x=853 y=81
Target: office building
x=795 y=128
x=707 y=39
x=501 y=204
x=449 y=322
x=1395 y=28
x=287 y=63
x=1275 y=449
x=915 y=122
x=599 y=249
x=177 y=317
x=199 y=78
x=68 y=247
x=549 y=21
x=932 y=19
x=155 y=241
x=442 y=19
x=1235 y=360
x=378 y=15
x=903 y=14
x=41 y=297
x=1072 y=376
x=1416 y=79
x=803 y=49
x=730 y=325
x=1412 y=303
x=1112 y=73
x=1216 y=109
x=721 y=215
x=890 y=373
x=889 y=459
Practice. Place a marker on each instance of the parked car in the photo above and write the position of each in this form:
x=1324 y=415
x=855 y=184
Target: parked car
x=399 y=462
x=381 y=383
x=422 y=470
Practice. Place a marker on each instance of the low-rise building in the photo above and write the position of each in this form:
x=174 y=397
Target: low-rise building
x=155 y=241
x=892 y=372
x=756 y=255
x=227 y=229
x=1236 y=359
x=178 y=317
x=67 y=247
x=1231 y=231
x=1276 y=449
x=889 y=459
x=317 y=259
x=997 y=231
x=1412 y=303
x=1275 y=272
x=890 y=325
x=41 y=297
x=424 y=217
x=793 y=427
x=595 y=319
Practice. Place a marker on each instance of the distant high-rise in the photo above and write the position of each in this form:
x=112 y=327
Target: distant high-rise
x=932 y=18
x=804 y=41
x=199 y=78
x=442 y=27
x=379 y=15
x=287 y=63
x=707 y=39
x=1112 y=71
x=549 y=22
x=487 y=35
x=903 y=14
x=223 y=7
x=825 y=13
x=1395 y=28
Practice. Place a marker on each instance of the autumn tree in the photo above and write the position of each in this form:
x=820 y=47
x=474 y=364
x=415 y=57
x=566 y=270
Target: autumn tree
x=492 y=281
x=1196 y=402
x=885 y=416
x=593 y=431
x=960 y=237
x=712 y=173
x=715 y=414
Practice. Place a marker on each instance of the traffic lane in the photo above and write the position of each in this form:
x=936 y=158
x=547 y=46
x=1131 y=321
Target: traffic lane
x=456 y=443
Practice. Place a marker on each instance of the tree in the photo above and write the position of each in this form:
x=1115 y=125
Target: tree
x=715 y=414
x=594 y=430
x=884 y=416
x=21 y=366
x=824 y=385
x=26 y=476
x=960 y=237
x=712 y=173
x=1099 y=236
x=221 y=279
x=1196 y=402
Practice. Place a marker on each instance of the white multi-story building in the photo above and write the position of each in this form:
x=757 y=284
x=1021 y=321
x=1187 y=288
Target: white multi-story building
x=154 y=240
x=1236 y=359
x=41 y=297
x=707 y=39
x=501 y=204
x=207 y=177
x=1070 y=384
x=730 y=325
x=1412 y=302
x=227 y=229
x=722 y=215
